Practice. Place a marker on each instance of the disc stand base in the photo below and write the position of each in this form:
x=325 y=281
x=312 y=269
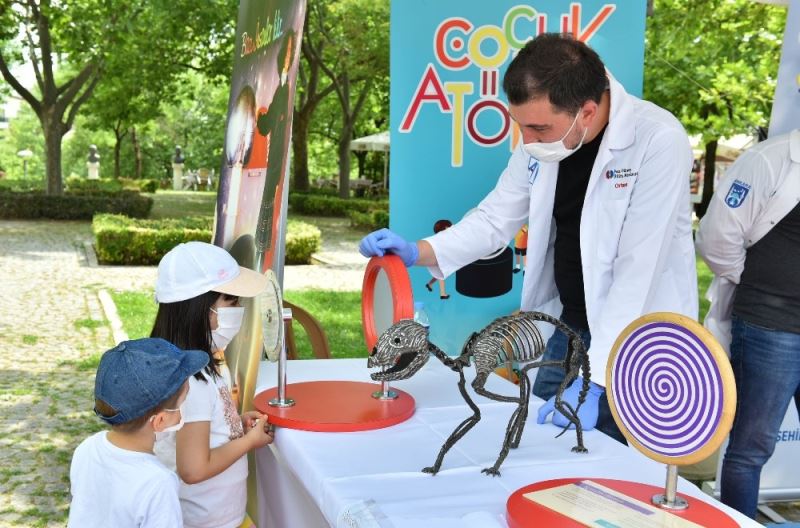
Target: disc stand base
x=336 y=406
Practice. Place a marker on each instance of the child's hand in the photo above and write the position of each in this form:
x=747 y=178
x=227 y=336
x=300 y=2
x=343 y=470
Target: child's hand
x=249 y=418
x=261 y=433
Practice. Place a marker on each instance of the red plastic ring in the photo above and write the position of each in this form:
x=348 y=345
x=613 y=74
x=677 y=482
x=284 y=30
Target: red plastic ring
x=402 y=294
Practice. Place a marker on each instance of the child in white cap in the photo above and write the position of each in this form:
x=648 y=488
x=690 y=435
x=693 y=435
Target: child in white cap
x=198 y=290
x=115 y=479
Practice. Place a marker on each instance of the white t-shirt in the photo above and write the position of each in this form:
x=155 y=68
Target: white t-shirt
x=117 y=487
x=220 y=501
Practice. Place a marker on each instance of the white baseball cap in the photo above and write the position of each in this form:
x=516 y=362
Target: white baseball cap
x=194 y=268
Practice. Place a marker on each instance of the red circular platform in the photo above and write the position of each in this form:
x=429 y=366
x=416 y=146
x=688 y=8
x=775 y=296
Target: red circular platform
x=524 y=513
x=335 y=407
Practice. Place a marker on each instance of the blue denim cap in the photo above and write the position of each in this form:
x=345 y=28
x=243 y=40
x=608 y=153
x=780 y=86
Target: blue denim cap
x=136 y=376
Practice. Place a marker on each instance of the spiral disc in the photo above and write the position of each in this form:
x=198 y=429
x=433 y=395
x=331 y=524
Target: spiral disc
x=672 y=390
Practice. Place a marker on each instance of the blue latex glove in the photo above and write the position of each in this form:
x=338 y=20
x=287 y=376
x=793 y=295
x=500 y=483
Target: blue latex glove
x=382 y=241
x=587 y=414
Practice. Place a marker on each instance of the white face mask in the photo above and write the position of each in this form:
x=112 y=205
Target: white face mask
x=555 y=151
x=229 y=321
x=171 y=428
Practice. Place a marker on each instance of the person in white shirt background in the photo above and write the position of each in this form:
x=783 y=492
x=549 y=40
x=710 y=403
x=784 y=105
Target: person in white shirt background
x=198 y=289
x=602 y=180
x=115 y=479
x=750 y=238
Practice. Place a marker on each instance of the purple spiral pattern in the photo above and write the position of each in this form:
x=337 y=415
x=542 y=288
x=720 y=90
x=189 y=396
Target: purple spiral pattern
x=667 y=389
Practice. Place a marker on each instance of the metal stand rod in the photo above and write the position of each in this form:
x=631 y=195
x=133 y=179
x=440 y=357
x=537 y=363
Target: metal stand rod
x=385 y=393
x=282 y=400
x=669 y=499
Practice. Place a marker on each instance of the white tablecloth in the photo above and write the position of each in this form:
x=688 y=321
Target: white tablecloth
x=373 y=478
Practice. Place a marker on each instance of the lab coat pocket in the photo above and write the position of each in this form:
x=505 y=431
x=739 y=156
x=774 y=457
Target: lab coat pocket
x=609 y=228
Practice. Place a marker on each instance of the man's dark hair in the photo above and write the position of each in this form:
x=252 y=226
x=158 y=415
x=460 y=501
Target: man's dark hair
x=558 y=66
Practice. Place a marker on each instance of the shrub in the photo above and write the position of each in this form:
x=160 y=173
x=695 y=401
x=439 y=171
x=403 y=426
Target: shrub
x=75 y=183
x=148 y=186
x=73 y=205
x=122 y=240
x=372 y=220
x=324 y=205
x=302 y=240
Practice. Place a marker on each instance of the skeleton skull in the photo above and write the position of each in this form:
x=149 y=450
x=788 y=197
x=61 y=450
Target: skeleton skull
x=401 y=351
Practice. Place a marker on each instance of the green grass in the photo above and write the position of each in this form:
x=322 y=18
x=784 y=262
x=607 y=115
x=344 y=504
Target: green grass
x=137 y=311
x=704 y=277
x=91 y=324
x=30 y=339
x=179 y=204
x=339 y=313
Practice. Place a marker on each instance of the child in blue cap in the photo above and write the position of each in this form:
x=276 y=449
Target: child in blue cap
x=115 y=478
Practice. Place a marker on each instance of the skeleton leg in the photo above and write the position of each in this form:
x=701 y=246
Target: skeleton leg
x=459 y=431
x=516 y=423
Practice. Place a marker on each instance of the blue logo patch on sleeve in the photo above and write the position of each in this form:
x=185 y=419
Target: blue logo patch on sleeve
x=736 y=194
x=533 y=170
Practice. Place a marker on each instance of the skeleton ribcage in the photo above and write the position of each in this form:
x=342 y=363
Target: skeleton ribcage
x=509 y=339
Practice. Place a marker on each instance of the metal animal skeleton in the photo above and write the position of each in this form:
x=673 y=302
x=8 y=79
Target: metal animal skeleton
x=404 y=348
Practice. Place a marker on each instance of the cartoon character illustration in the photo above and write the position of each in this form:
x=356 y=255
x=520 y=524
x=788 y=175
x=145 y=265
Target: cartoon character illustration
x=521 y=249
x=440 y=225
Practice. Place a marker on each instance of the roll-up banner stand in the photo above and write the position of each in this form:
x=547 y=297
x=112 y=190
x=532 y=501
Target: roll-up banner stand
x=250 y=219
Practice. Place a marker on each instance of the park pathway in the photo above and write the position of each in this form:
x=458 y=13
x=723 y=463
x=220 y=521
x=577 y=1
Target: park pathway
x=52 y=331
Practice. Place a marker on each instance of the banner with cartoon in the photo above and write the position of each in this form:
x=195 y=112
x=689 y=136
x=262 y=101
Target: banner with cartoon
x=786 y=106
x=452 y=136
x=250 y=219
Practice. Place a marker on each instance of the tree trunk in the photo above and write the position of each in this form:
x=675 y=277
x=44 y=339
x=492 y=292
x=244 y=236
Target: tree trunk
x=300 y=126
x=344 y=161
x=52 y=149
x=137 y=152
x=117 y=148
x=708 y=178
x=361 y=156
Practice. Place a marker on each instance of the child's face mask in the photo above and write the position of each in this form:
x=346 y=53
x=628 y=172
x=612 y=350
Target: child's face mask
x=172 y=428
x=229 y=321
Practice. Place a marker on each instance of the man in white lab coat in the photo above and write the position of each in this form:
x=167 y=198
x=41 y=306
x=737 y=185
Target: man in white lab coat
x=750 y=238
x=602 y=180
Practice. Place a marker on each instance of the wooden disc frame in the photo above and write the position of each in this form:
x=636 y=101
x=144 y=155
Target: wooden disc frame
x=722 y=362
x=400 y=286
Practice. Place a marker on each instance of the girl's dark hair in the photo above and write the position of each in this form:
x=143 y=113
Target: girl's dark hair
x=186 y=324
x=558 y=66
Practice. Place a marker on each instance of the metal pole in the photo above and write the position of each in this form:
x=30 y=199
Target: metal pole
x=386 y=393
x=669 y=499
x=282 y=400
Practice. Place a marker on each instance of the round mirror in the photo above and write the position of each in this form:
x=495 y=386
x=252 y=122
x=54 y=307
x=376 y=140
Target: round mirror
x=386 y=296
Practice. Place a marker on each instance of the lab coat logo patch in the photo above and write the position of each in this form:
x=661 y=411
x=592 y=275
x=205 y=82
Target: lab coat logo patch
x=533 y=170
x=736 y=194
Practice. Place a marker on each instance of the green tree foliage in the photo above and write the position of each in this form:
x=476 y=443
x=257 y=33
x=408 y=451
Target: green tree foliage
x=714 y=63
x=88 y=39
x=354 y=59
x=23 y=133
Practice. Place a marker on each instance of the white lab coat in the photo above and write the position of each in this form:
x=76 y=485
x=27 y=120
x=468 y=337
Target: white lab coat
x=771 y=173
x=635 y=233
